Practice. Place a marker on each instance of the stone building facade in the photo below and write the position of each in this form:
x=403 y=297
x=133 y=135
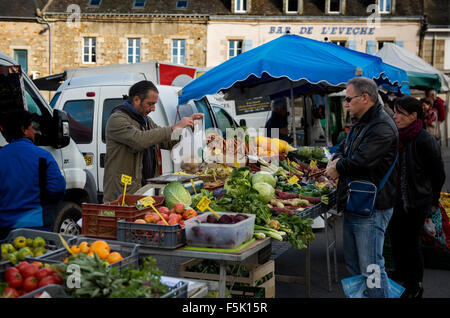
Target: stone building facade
x=49 y=36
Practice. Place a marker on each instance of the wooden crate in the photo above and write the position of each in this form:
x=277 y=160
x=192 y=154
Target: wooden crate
x=256 y=272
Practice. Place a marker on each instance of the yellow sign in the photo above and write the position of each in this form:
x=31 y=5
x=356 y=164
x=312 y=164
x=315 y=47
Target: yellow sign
x=293 y=180
x=89 y=160
x=313 y=164
x=193 y=186
x=147 y=201
x=203 y=204
x=125 y=180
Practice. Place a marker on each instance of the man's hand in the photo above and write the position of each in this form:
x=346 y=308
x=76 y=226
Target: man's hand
x=184 y=122
x=331 y=171
x=197 y=116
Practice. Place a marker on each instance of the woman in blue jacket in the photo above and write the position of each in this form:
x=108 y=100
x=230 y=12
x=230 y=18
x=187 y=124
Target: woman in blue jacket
x=31 y=181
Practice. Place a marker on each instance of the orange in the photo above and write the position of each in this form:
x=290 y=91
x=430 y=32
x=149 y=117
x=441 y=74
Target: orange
x=114 y=257
x=98 y=244
x=66 y=259
x=75 y=249
x=102 y=252
x=84 y=247
x=90 y=254
x=39 y=264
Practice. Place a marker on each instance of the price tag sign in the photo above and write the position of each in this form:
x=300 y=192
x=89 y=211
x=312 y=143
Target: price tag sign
x=293 y=180
x=313 y=164
x=193 y=186
x=126 y=179
x=203 y=204
x=147 y=201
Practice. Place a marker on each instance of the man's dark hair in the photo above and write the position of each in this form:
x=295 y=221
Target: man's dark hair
x=12 y=123
x=410 y=105
x=426 y=100
x=141 y=90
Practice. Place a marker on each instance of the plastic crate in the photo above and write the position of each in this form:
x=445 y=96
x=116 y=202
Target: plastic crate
x=152 y=235
x=129 y=252
x=179 y=290
x=52 y=240
x=54 y=291
x=100 y=220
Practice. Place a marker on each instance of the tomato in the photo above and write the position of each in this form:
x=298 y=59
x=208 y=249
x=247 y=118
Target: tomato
x=46 y=281
x=30 y=284
x=22 y=265
x=188 y=214
x=175 y=216
x=15 y=280
x=11 y=293
x=30 y=270
x=11 y=271
x=42 y=273
x=163 y=209
x=179 y=208
x=165 y=216
x=57 y=278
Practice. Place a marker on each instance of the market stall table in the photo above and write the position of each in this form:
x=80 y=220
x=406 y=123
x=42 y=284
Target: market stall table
x=223 y=257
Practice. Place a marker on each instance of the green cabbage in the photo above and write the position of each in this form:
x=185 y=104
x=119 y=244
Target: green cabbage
x=264 y=176
x=175 y=192
x=265 y=190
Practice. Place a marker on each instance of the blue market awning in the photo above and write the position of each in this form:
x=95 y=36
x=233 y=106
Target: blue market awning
x=290 y=63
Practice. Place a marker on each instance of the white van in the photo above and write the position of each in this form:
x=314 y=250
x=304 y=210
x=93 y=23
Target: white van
x=88 y=102
x=80 y=184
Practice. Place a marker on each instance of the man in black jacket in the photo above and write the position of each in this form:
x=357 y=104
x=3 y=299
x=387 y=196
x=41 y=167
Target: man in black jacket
x=367 y=154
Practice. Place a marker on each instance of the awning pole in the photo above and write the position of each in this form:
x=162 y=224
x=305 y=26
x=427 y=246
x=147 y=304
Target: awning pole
x=293 y=115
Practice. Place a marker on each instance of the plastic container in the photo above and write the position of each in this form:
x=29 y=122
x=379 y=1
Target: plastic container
x=100 y=220
x=152 y=235
x=129 y=252
x=52 y=241
x=53 y=291
x=225 y=236
x=177 y=290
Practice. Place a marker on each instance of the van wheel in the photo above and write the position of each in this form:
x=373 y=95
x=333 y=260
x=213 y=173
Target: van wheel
x=68 y=213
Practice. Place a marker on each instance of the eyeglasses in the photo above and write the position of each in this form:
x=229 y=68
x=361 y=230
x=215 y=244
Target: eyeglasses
x=349 y=99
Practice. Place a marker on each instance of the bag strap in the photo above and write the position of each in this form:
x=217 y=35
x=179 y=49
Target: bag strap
x=383 y=181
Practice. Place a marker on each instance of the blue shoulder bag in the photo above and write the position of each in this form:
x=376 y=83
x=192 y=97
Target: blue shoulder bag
x=362 y=194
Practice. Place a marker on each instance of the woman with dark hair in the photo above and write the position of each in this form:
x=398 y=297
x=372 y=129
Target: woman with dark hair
x=419 y=182
x=430 y=117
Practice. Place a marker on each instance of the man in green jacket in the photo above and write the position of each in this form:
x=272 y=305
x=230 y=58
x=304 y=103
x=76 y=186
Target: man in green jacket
x=133 y=139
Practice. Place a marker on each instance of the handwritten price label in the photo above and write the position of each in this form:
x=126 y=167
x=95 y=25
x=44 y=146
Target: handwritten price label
x=126 y=179
x=293 y=180
x=147 y=201
x=203 y=204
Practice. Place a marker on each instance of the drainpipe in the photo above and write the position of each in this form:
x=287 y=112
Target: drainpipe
x=40 y=19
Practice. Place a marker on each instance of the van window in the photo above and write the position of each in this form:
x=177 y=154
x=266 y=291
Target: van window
x=32 y=100
x=202 y=108
x=81 y=119
x=108 y=106
x=224 y=120
x=54 y=99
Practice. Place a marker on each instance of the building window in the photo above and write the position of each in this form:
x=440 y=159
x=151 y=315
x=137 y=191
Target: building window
x=385 y=6
x=21 y=57
x=182 y=4
x=138 y=4
x=134 y=51
x=179 y=51
x=89 y=50
x=292 y=6
x=234 y=48
x=94 y=3
x=334 y=6
x=380 y=43
x=240 y=5
x=341 y=43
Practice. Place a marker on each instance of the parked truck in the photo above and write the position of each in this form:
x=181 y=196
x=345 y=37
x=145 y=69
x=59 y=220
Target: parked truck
x=54 y=137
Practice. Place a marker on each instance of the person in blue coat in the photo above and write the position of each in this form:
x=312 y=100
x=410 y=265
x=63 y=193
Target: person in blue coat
x=31 y=181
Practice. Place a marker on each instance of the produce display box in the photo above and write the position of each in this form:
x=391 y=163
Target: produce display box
x=179 y=290
x=216 y=235
x=256 y=273
x=52 y=240
x=100 y=220
x=129 y=252
x=152 y=235
x=53 y=291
